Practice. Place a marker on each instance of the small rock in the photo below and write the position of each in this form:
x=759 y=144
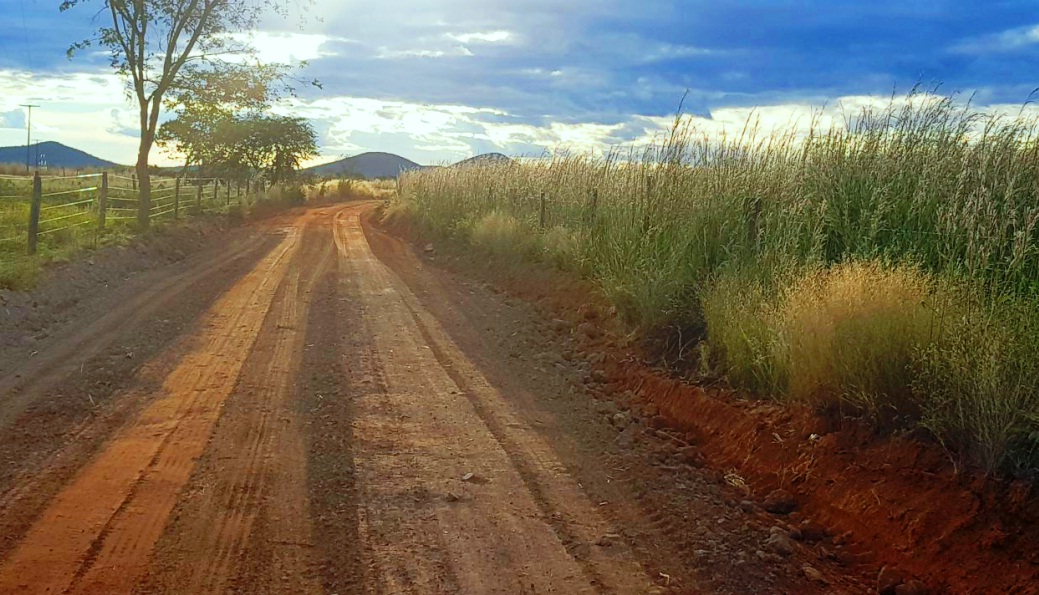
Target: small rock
x=913 y=587
x=779 y=502
x=620 y=420
x=651 y=410
x=690 y=455
x=780 y=544
x=746 y=505
x=627 y=438
x=451 y=497
x=429 y=249
x=608 y=540
x=589 y=330
x=812 y=533
x=468 y=477
x=760 y=554
x=888 y=580
x=812 y=574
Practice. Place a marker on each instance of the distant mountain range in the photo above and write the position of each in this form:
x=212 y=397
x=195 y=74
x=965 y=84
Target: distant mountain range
x=52 y=154
x=372 y=166
x=369 y=166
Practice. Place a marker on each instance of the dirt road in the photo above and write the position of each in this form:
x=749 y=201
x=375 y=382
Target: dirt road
x=312 y=427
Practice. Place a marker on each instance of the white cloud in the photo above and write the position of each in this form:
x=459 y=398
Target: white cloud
x=456 y=51
x=487 y=37
x=83 y=110
x=13 y=119
x=1007 y=41
x=287 y=48
x=91 y=112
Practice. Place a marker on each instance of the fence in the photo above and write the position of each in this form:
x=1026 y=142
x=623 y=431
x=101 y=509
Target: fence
x=34 y=208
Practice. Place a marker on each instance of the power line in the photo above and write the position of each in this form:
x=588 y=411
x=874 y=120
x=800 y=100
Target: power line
x=25 y=39
x=28 y=136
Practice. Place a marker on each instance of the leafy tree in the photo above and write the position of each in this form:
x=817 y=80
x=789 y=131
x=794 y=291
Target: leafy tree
x=162 y=45
x=221 y=143
x=206 y=106
x=278 y=144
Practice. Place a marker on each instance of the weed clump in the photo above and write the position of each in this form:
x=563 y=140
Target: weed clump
x=501 y=236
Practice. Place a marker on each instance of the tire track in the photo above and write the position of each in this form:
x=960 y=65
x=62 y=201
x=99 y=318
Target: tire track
x=97 y=534
x=255 y=466
x=39 y=373
x=521 y=524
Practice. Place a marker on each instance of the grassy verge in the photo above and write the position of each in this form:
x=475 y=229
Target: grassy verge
x=886 y=268
x=74 y=230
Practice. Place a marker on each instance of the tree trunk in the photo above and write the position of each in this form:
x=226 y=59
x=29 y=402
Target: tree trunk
x=144 y=204
x=149 y=123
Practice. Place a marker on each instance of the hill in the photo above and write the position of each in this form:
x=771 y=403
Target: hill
x=54 y=154
x=482 y=159
x=369 y=166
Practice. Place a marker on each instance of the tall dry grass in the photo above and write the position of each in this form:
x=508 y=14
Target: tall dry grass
x=829 y=266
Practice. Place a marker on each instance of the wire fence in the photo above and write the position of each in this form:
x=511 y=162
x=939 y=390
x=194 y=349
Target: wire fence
x=56 y=209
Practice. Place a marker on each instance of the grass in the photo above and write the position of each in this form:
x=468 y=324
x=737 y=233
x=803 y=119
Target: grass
x=867 y=267
x=67 y=230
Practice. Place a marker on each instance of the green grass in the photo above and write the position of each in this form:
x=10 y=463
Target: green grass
x=851 y=267
x=66 y=231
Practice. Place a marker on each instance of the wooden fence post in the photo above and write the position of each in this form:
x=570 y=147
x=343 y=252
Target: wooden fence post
x=543 y=201
x=133 y=179
x=102 y=201
x=176 y=199
x=34 y=212
x=216 y=190
x=227 y=192
x=198 y=197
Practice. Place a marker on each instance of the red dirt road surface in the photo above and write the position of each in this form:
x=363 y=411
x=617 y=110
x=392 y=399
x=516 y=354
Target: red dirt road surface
x=304 y=405
x=203 y=485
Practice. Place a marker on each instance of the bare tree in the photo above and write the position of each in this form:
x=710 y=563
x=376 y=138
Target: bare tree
x=158 y=44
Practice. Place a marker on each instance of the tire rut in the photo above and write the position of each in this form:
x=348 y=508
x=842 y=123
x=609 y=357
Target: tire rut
x=247 y=496
x=438 y=450
x=92 y=532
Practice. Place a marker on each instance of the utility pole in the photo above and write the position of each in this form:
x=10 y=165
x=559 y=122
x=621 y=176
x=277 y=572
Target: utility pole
x=28 y=136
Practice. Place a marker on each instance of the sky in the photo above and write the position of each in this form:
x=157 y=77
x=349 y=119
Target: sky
x=439 y=81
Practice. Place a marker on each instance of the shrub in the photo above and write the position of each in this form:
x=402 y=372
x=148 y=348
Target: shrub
x=561 y=248
x=18 y=273
x=285 y=195
x=849 y=335
x=980 y=388
x=742 y=338
x=501 y=236
x=399 y=212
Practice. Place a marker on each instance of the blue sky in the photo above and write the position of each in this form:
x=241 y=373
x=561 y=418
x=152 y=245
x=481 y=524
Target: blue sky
x=441 y=80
